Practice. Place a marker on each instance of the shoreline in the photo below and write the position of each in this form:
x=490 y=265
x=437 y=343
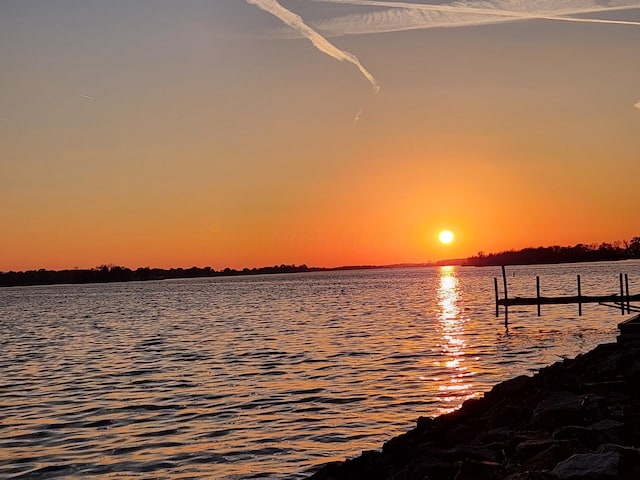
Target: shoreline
x=578 y=419
x=119 y=274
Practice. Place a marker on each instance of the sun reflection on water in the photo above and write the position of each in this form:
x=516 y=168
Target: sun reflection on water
x=454 y=384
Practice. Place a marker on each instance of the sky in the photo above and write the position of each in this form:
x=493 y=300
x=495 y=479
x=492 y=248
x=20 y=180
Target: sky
x=248 y=133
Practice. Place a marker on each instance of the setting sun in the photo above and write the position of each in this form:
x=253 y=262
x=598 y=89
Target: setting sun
x=446 y=237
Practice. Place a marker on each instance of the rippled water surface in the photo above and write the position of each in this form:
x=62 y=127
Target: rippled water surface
x=266 y=376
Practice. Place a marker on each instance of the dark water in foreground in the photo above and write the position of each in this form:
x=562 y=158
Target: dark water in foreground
x=265 y=377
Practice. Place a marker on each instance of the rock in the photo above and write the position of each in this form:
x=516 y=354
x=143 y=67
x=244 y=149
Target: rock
x=555 y=453
x=532 y=476
x=424 y=423
x=513 y=416
x=422 y=471
x=612 y=447
x=564 y=408
x=629 y=463
x=629 y=330
x=497 y=448
x=469 y=452
x=500 y=434
x=607 y=425
x=514 y=442
x=509 y=388
x=472 y=470
x=368 y=466
x=589 y=466
x=604 y=431
x=588 y=437
x=459 y=434
x=529 y=449
x=473 y=407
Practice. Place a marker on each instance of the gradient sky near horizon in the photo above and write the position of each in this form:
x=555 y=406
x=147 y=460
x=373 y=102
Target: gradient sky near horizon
x=241 y=133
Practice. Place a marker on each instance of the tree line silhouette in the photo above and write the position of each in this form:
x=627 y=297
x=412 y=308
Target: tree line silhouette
x=555 y=254
x=115 y=273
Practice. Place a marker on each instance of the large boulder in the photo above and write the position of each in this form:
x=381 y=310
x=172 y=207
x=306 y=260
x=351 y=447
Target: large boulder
x=589 y=466
x=564 y=408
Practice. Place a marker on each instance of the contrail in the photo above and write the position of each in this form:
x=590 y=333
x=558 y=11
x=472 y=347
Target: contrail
x=295 y=22
x=508 y=8
x=409 y=16
x=88 y=97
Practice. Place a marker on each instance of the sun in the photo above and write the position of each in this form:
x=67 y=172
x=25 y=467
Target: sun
x=446 y=237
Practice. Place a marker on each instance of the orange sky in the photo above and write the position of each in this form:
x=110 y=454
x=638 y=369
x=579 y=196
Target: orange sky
x=169 y=134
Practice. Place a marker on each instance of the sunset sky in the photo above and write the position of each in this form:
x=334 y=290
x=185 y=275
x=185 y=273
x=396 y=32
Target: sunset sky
x=242 y=133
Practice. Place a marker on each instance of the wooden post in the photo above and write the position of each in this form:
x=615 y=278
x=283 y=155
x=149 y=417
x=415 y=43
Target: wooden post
x=626 y=287
x=579 y=295
x=495 y=286
x=538 y=292
x=504 y=281
x=621 y=296
x=506 y=308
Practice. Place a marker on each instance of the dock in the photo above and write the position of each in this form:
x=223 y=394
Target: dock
x=620 y=300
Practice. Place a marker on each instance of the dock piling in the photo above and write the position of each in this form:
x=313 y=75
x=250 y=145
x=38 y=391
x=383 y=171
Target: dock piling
x=626 y=286
x=495 y=287
x=622 y=309
x=506 y=298
x=538 y=292
x=504 y=281
x=579 y=298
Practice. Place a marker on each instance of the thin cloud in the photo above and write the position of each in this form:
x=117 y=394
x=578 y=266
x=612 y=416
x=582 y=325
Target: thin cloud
x=637 y=105
x=8 y=121
x=399 y=16
x=358 y=116
x=88 y=97
x=321 y=43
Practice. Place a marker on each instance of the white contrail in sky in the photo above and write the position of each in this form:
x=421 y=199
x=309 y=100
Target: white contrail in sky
x=88 y=97
x=400 y=16
x=508 y=8
x=295 y=21
x=392 y=16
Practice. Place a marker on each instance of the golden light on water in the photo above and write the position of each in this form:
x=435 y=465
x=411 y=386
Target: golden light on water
x=453 y=387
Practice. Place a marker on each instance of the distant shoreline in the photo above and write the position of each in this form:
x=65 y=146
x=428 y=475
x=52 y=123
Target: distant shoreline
x=118 y=274
x=604 y=252
x=580 y=253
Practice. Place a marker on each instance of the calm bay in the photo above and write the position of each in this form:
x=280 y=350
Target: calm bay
x=267 y=376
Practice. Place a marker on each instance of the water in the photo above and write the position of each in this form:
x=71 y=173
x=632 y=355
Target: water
x=266 y=376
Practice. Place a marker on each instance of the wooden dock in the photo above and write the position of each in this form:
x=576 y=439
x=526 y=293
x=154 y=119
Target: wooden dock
x=621 y=300
x=614 y=298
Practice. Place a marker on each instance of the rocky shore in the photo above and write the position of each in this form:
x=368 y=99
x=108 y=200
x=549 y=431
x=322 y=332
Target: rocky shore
x=577 y=419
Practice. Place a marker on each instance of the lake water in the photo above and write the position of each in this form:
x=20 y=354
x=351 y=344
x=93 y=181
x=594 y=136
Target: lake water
x=266 y=376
